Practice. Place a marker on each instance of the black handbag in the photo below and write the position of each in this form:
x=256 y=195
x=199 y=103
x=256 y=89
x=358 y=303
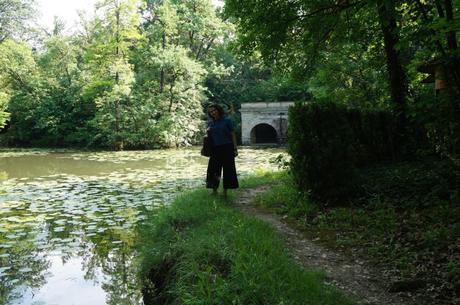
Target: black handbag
x=207 y=146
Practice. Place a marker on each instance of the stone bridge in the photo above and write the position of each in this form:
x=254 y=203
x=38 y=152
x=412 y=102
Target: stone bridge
x=264 y=123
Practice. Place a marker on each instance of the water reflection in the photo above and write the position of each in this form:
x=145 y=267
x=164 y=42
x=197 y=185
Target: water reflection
x=60 y=289
x=67 y=219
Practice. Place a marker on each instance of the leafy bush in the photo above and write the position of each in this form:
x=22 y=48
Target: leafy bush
x=321 y=146
x=413 y=184
x=440 y=116
x=373 y=135
x=329 y=141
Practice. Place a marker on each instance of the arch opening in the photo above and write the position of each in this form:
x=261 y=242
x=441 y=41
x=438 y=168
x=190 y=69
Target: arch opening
x=263 y=134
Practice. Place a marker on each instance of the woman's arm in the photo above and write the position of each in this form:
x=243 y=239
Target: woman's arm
x=235 y=148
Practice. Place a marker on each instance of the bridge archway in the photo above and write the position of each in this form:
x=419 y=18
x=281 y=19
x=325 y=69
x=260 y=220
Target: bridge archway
x=264 y=134
x=264 y=122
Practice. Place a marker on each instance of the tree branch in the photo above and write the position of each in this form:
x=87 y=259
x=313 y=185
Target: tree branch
x=341 y=5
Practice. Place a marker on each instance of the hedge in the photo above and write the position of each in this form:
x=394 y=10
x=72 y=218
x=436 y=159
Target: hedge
x=329 y=141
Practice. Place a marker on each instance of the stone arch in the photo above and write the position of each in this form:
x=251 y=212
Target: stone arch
x=273 y=114
x=264 y=133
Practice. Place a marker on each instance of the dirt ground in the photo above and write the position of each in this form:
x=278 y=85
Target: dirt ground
x=352 y=275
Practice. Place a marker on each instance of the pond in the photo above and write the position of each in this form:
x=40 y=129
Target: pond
x=68 y=219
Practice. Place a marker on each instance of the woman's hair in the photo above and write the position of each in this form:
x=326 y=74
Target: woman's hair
x=218 y=108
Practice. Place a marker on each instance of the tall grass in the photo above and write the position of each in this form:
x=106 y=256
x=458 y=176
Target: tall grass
x=199 y=250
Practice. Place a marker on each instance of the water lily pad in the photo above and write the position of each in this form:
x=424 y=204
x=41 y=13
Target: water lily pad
x=13 y=219
x=91 y=228
x=96 y=204
x=60 y=222
x=3 y=269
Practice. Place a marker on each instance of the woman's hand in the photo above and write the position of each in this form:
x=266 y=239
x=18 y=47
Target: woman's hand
x=235 y=147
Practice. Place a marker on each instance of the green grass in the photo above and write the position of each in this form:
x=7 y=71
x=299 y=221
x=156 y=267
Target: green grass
x=283 y=197
x=261 y=177
x=408 y=224
x=200 y=250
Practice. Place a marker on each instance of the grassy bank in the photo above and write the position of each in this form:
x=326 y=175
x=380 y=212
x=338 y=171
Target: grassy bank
x=202 y=251
x=407 y=223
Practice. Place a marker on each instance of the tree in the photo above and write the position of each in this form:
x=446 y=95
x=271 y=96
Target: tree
x=4 y=116
x=119 y=83
x=436 y=31
x=171 y=65
x=109 y=69
x=63 y=113
x=301 y=35
x=331 y=43
x=397 y=75
x=14 y=17
x=18 y=87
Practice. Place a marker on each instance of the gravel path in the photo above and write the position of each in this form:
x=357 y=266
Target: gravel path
x=353 y=276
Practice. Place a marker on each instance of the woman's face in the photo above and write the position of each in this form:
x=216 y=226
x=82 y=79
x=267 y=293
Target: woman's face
x=213 y=112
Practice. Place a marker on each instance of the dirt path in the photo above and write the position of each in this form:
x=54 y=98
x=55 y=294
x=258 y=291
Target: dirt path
x=352 y=276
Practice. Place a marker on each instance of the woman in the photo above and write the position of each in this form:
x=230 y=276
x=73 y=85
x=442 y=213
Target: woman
x=223 y=152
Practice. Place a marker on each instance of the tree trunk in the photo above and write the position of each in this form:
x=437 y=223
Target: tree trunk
x=162 y=72
x=453 y=66
x=398 y=81
x=118 y=140
x=451 y=35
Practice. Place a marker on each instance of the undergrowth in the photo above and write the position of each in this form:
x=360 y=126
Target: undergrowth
x=407 y=224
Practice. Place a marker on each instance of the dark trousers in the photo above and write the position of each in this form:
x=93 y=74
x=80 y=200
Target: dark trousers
x=222 y=157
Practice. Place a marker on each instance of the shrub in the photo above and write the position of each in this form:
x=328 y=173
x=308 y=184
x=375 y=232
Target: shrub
x=329 y=141
x=322 y=150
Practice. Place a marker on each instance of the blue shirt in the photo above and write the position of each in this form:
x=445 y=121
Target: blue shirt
x=221 y=131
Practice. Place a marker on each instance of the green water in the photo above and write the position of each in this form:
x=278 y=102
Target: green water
x=68 y=219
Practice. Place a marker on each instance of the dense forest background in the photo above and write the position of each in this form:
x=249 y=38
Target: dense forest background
x=138 y=74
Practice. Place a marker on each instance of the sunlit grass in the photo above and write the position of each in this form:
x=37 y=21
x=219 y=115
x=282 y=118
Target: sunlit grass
x=260 y=177
x=202 y=251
